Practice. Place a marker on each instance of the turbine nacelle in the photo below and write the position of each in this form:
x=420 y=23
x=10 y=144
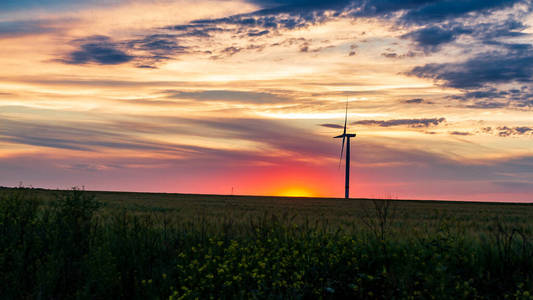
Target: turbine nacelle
x=345 y=135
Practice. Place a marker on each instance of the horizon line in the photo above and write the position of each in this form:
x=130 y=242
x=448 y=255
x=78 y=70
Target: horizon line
x=274 y=196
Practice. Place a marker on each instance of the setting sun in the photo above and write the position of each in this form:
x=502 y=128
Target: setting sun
x=296 y=192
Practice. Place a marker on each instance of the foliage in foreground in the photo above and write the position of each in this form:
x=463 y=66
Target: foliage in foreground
x=65 y=250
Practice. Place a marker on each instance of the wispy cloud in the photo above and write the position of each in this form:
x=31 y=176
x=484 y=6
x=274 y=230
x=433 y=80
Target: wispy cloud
x=335 y=126
x=26 y=27
x=462 y=133
x=415 y=101
x=414 y=123
x=230 y=96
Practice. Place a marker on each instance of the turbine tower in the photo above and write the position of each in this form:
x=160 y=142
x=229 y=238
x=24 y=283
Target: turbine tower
x=346 y=137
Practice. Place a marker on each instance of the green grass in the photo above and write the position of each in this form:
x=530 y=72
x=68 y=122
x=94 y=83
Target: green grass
x=103 y=245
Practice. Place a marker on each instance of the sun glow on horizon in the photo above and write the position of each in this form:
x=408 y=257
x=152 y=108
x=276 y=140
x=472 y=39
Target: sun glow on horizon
x=296 y=192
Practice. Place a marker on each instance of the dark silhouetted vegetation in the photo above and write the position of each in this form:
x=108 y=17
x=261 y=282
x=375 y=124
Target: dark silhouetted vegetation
x=97 y=245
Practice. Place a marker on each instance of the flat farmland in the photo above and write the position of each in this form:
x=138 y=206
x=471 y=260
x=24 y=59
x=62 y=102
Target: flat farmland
x=86 y=244
x=336 y=211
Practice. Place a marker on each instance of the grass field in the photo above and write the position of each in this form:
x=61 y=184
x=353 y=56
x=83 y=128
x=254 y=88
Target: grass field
x=90 y=245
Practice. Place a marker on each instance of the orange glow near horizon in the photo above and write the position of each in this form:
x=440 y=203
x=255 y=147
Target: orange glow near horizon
x=296 y=192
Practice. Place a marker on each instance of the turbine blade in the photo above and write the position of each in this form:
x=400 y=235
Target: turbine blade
x=342 y=151
x=345 y=117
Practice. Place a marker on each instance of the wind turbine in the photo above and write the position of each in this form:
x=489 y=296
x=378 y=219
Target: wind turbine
x=346 y=137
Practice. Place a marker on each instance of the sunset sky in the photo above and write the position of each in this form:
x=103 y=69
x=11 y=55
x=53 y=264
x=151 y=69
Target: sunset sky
x=209 y=96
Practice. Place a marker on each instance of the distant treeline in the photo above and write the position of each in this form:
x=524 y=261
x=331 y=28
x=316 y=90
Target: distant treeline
x=71 y=247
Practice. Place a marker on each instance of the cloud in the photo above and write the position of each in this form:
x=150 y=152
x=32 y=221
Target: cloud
x=253 y=33
x=230 y=96
x=73 y=136
x=463 y=133
x=101 y=137
x=489 y=31
x=163 y=44
x=513 y=65
x=290 y=4
x=523 y=130
x=335 y=126
x=89 y=82
x=436 y=11
x=230 y=51
x=494 y=79
x=196 y=30
x=25 y=27
x=260 y=21
x=414 y=101
x=430 y=39
x=146 y=51
x=305 y=47
x=515 y=186
x=432 y=36
x=491 y=97
x=275 y=16
x=389 y=54
x=505 y=131
x=415 y=123
x=97 y=49
x=155 y=48
x=53 y=5
x=487 y=104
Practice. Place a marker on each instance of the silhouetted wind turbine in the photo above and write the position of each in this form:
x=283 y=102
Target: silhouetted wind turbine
x=346 y=137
